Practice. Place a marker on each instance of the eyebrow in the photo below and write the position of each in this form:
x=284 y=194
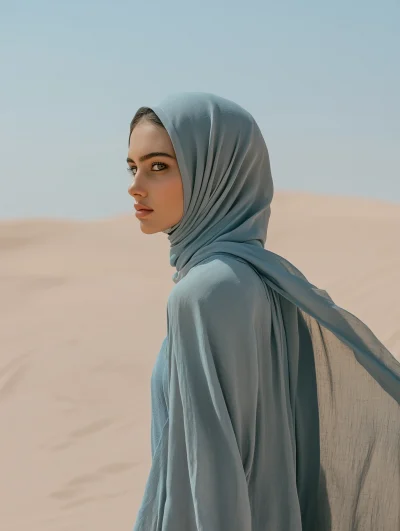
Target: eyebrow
x=150 y=156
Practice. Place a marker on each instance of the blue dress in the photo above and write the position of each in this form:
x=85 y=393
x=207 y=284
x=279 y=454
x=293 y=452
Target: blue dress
x=231 y=412
x=159 y=396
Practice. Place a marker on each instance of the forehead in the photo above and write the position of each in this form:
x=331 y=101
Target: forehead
x=147 y=137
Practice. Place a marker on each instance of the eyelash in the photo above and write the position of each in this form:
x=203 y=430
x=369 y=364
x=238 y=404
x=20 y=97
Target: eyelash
x=131 y=168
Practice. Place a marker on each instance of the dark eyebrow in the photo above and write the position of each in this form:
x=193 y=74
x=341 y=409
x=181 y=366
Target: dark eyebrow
x=150 y=156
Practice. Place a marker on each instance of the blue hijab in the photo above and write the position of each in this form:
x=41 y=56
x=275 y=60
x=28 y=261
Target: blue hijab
x=228 y=190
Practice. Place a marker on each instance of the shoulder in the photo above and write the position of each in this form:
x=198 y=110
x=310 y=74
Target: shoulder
x=218 y=283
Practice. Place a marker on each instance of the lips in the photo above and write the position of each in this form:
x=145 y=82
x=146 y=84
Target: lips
x=140 y=208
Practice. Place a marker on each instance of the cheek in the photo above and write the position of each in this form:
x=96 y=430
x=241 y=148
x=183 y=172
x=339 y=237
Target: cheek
x=173 y=192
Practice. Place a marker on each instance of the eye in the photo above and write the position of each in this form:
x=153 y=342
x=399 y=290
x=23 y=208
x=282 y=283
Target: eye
x=132 y=170
x=164 y=166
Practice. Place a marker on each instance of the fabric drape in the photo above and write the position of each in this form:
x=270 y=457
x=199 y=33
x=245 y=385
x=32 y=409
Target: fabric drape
x=274 y=408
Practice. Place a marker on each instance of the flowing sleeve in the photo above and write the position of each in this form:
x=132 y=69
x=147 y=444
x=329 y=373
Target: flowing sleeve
x=198 y=480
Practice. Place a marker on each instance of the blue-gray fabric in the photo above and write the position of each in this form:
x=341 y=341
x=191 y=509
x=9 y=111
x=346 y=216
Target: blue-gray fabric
x=273 y=409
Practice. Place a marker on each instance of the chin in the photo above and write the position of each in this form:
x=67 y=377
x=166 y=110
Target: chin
x=149 y=230
x=155 y=228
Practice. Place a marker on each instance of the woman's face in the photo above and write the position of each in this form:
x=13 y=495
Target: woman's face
x=156 y=179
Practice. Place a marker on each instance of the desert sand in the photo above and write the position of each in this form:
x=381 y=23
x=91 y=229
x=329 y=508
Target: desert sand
x=82 y=317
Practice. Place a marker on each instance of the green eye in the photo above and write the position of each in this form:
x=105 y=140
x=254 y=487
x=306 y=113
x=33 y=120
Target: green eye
x=161 y=166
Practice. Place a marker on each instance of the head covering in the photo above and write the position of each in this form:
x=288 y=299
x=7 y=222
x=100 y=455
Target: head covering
x=226 y=175
x=228 y=190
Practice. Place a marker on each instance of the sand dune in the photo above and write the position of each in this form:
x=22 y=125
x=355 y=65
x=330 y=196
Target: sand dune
x=82 y=317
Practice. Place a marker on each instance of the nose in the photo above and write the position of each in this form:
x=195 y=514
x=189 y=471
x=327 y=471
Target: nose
x=136 y=188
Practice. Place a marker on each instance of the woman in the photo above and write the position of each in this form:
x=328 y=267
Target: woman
x=272 y=408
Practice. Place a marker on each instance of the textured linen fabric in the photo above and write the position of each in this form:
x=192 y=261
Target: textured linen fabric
x=273 y=408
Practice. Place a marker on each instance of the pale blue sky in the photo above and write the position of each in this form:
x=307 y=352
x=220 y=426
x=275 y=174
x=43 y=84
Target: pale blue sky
x=322 y=80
